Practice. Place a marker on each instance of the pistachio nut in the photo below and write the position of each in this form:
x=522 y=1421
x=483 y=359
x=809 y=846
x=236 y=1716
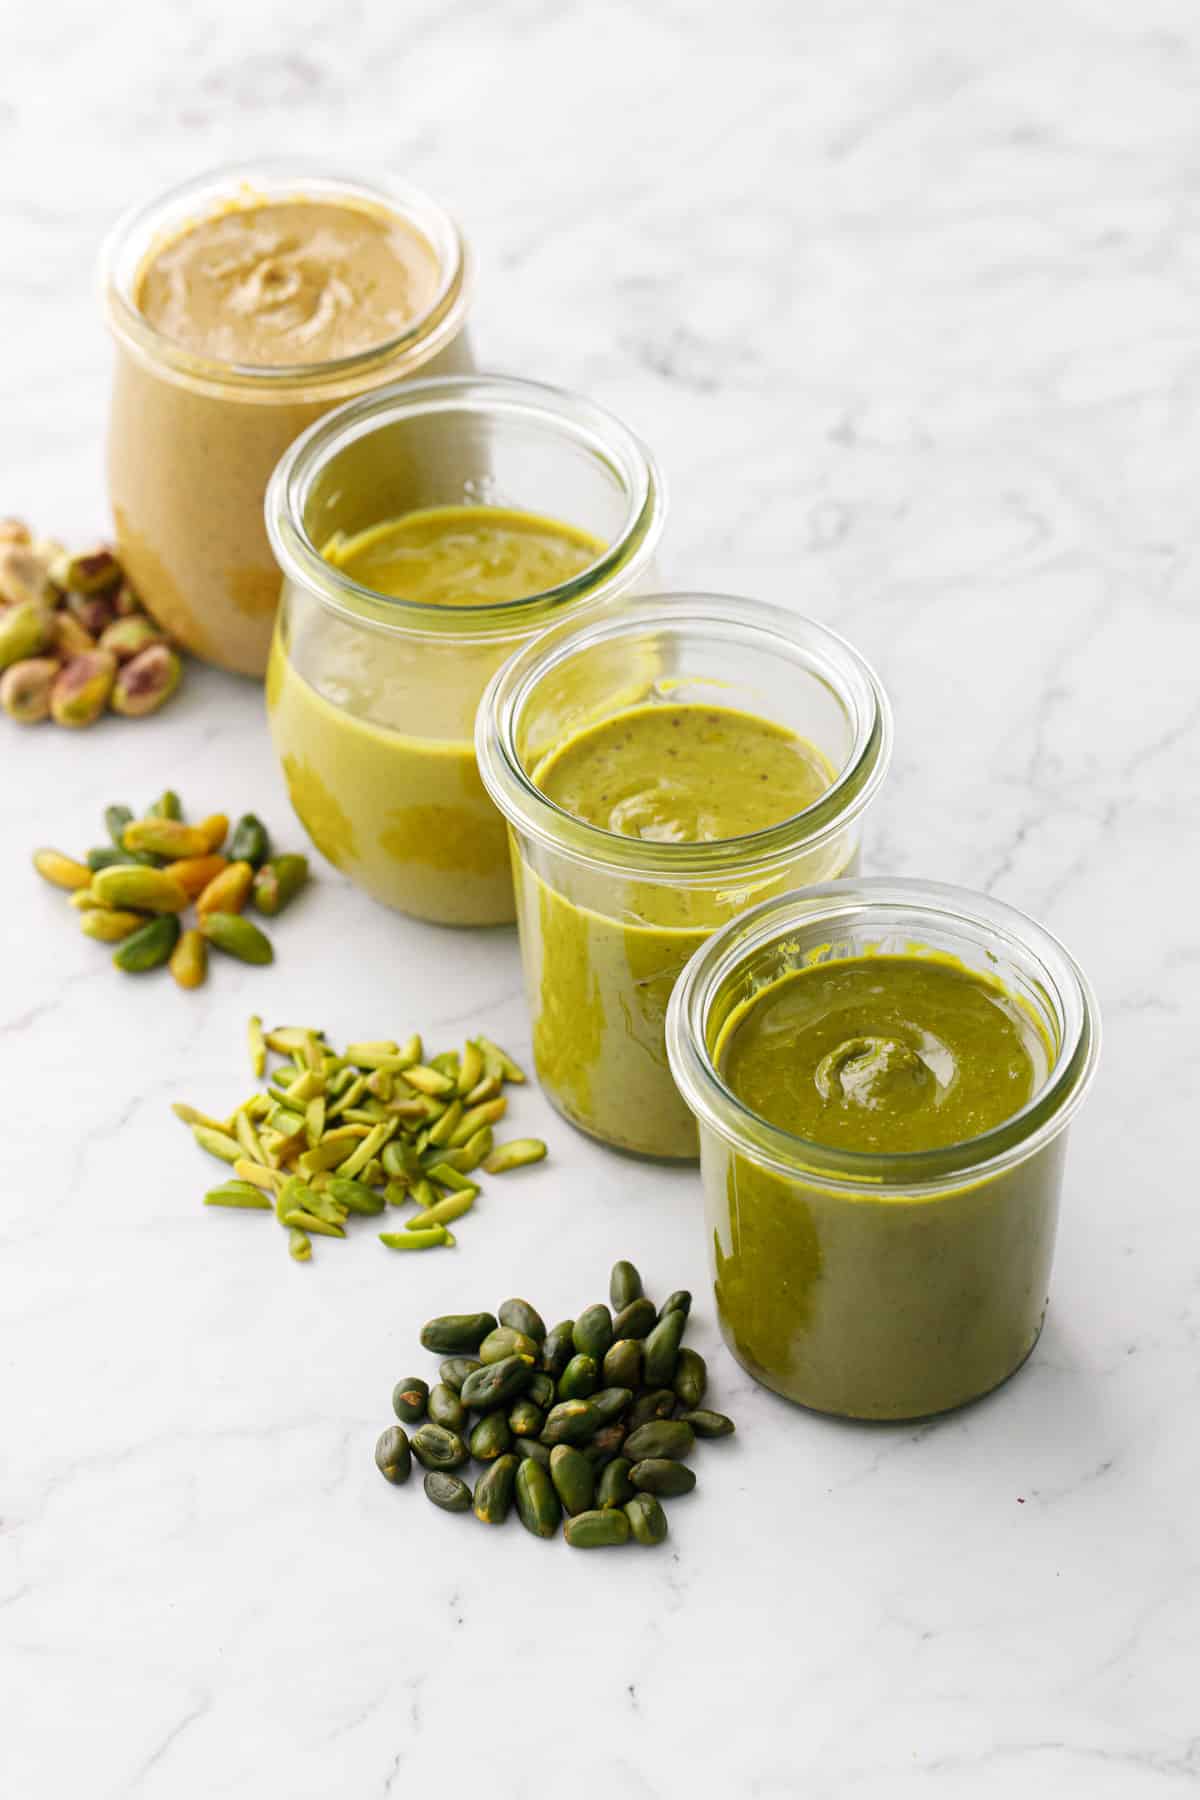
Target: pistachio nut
x=25 y=688
x=127 y=637
x=146 y=681
x=107 y=926
x=277 y=883
x=23 y=577
x=68 y=636
x=92 y=611
x=62 y=871
x=125 y=602
x=516 y=1154
x=143 y=890
x=150 y=946
x=92 y=573
x=189 y=959
x=195 y=872
x=236 y=936
x=227 y=892
x=165 y=837
x=81 y=689
x=215 y=827
x=24 y=631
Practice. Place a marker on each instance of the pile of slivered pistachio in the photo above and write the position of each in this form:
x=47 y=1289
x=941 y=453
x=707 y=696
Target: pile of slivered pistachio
x=378 y=1125
x=132 y=891
x=591 y=1419
x=73 y=636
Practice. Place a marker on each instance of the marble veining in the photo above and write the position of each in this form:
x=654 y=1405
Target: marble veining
x=905 y=299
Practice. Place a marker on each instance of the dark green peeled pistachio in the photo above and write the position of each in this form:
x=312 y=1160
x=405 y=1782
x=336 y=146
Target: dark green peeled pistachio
x=647 y=1520
x=526 y=1419
x=605 y=1444
x=436 y=1448
x=573 y=1477
x=249 y=842
x=558 y=1348
x=657 y=1403
x=455 y=1369
x=679 y=1301
x=492 y=1437
x=410 y=1397
x=623 y=1364
x=637 y=1320
x=446 y=1409
x=533 y=1449
x=538 y=1505
x=506 y=1342
x=571 y=1422
x=593 y=1331
x=518 y=1315
x=624 y=1286
x=661 y=1350
x=659 y=1475
x=149 y=946
x=708 y=1424
x=448 y=1491
x=597 y=1530
x=611 y=1402
x=392 y=1455
x=661 y=1437
x=580 y=1378
x=457 y=1334
x=614 y=1487
x=691 y=1377
x=541 y=1390
x=496 y=1384
x=494 y=1490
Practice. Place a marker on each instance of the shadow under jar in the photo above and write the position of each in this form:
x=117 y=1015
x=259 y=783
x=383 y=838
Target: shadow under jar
x=193 y=434
x=607 y=921
x=880 y=1285
x=372 y=698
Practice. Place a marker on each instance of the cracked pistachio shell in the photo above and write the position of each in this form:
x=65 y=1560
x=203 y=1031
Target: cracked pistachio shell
x=81 y=689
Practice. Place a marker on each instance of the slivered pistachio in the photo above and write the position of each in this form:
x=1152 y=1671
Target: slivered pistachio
x=248 y=1138
x=314 y=1120
x=239 y=1194
x=516 y=1154
x=306 y=1221
x=432 y=1239
x=286 y=1038
x=192 y=1115
x=400 y=1160
x=305 y=1087
x=427 y=1080
x=472 y=1121
x=349 y=1096
x=470 y=1067
x=448 y=1177
x=299 y=1244
x=445 y=1212
x=257 y=1046
x=381 y=1084
x=362 y=1054
x=487 y=1089
x=374 y=1141
x=474 y=1151
x=424 y=1193
x=443 y=1132
x=258 y=1173
x=498 y=1062
x=217 y=1142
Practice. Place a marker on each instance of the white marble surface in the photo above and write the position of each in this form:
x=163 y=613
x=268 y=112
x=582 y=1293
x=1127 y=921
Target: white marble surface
x=905 y=297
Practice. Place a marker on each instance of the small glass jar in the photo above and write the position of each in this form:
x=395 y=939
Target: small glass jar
x=193 y=441
x=372 y=700
x=607 y=922
x=867 y=1285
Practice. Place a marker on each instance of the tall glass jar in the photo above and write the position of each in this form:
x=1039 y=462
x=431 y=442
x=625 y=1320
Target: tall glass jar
x=870 y=1285
x=193 y=441
x=372 y=700
x=607 y=922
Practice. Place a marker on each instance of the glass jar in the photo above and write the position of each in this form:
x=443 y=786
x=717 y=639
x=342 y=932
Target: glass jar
x=607 y=922
x=192 y=441
x=868 y=1285
x=372 y=700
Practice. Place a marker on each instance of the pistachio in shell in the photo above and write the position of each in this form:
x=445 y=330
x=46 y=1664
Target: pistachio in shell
x=24 y=632
x=82 y=688
x=25 y=688
x=146 y=681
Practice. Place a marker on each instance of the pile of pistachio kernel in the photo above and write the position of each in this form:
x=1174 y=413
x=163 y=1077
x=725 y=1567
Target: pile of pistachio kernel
x=133 y=891
x=378 y=1125
x=74 y=639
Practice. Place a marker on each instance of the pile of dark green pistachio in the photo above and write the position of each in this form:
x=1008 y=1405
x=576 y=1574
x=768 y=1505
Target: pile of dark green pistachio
x=592 y=1419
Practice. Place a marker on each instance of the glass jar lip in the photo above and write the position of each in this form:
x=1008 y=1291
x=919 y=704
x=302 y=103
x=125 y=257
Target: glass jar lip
x=500 y=395
x=870 y=1174
x=532 y=812
x=130 y=240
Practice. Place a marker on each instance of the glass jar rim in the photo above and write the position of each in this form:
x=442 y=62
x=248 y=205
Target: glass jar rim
x=510 y=396
x=870 y=1174
x=129 y=242
x=534 y=813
